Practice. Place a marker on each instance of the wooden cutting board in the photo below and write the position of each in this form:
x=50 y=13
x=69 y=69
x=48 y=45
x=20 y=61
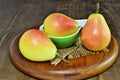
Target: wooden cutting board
x=79 y=68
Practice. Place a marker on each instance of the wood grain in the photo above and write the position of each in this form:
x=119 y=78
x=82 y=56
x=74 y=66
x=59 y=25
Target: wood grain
x=79 y=68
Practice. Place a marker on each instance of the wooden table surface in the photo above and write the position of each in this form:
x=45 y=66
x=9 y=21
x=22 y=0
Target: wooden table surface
x=18 y=15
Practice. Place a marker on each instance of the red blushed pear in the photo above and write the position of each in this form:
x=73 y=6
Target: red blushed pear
x=58 y=24
x=36 y=46
x=96 y=34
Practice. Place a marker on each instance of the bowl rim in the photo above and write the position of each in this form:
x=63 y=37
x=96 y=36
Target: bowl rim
x=79 y=28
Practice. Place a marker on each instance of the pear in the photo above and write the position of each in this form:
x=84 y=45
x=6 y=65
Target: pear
x=96 y=34
x=36 y=46
x=58 y=24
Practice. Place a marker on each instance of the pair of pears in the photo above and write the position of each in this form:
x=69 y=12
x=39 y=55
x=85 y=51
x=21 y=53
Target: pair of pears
x=35 y=45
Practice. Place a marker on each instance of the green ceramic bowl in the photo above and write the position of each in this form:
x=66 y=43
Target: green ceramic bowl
x=65 y=41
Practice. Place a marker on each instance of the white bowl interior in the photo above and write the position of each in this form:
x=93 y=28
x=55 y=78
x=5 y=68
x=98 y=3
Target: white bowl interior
x=81 y=23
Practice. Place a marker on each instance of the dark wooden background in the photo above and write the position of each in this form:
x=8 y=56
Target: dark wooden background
x=18 y=15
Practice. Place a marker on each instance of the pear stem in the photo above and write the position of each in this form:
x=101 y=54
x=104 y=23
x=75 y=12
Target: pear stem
x=97 y=8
